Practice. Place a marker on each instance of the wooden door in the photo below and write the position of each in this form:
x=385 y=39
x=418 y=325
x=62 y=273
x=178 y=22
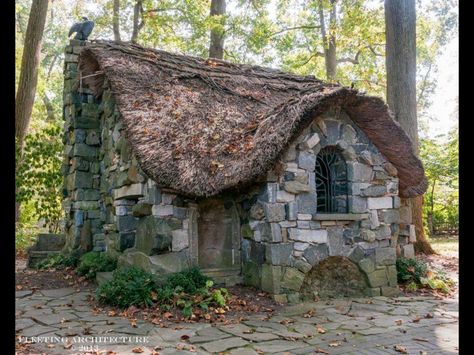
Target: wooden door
x=218 y=236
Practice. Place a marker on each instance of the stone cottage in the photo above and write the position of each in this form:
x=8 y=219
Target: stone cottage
x=292 y=185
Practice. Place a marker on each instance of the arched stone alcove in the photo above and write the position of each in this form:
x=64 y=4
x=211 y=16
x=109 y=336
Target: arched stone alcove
x=334 y=277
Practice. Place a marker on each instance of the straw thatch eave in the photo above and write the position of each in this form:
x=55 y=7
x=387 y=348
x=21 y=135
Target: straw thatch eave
x=204 y=126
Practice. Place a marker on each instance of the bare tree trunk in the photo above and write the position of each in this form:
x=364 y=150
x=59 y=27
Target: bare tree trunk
x=49 y=108
x=216 y=47
x=400 y=27
x=137 y=20
x=25 y=96
x=329 y=40
x=115 y=20
x=431 y=212
x=26 y=91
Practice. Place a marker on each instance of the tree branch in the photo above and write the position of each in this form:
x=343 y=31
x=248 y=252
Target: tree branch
x=354 y=60
x=293 y=28
x=317 y=54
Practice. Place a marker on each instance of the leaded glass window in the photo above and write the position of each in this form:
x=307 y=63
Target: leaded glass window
x=331 y=181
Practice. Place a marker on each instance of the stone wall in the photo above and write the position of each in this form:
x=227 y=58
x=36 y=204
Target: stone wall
x=286 y=237
x=110 y=203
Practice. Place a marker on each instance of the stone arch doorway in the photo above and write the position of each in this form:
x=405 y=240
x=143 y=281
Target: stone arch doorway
x=218 y=246
x=334 y=277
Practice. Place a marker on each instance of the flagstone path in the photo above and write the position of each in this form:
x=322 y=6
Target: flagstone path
x=380 y=325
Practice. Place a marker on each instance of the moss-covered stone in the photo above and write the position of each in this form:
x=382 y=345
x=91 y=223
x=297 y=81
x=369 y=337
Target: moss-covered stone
x=292 y=279
x=271 y=276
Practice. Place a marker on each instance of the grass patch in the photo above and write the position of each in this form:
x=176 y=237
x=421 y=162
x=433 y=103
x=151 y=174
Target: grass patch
x=445 y=245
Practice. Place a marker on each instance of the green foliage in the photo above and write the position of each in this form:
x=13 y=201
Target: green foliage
x=58 y=261
x=410 y=270
x=186 y=290
x=416 y=274
x=440 y=159
x=38 y=175
x=189 y=280
x=129 y=287
x=94 y=262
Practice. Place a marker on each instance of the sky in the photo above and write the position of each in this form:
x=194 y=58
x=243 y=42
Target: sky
x=444 y=99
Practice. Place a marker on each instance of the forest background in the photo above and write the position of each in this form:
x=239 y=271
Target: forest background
x=336 y=40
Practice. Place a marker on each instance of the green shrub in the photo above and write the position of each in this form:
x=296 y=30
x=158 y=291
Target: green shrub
x=409 y=270
x=416 y=274
x=94 y=262
x=186 y=290
x=190 y=280
x=129 y=286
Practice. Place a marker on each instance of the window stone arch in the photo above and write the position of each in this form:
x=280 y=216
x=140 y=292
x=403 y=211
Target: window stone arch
x=331 y=181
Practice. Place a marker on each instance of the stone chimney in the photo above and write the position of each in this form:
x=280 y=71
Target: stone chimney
x=81 y=164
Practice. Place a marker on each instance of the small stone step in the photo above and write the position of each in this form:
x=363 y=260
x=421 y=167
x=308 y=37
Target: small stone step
x=227 y=281
x=49 y=242
x=35 y=257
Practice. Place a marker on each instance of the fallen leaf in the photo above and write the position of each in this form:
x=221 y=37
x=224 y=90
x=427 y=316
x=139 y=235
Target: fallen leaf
x=137 y=350
x=133 y=323
x=334 y=343
x=398 y=322
x=400 y=349
x=168 y=315
x=416 y=320
x=421 y=339
x=429 y=315
x=318 y=350
x=320 y=330
x=184 y=337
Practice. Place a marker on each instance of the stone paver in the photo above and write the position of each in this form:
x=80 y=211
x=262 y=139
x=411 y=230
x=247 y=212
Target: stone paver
x=357 y=326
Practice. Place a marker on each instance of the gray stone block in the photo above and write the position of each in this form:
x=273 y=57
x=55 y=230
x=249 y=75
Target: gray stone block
x=141 y=209
x=357 y=204
x=390 y=216
x=316 y=253
x=385 y=256
x=126 y=223
x=270 y=232
x=291 y=211
x=374 y=191
x=307 y=203
x=378 y=278
x=278 y=254
x=292 y=279
x=271 y=276
x=126 y=240
x=81 y=180
x=269 y=193
x=307 y=161
x=274 y=212
x=295 y=187
x=408 y=251
x=359 y=172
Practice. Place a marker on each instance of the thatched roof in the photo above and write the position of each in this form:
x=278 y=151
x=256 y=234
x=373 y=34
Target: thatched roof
x=203 y=126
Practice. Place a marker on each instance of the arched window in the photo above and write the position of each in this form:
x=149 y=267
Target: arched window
x=331 y=181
